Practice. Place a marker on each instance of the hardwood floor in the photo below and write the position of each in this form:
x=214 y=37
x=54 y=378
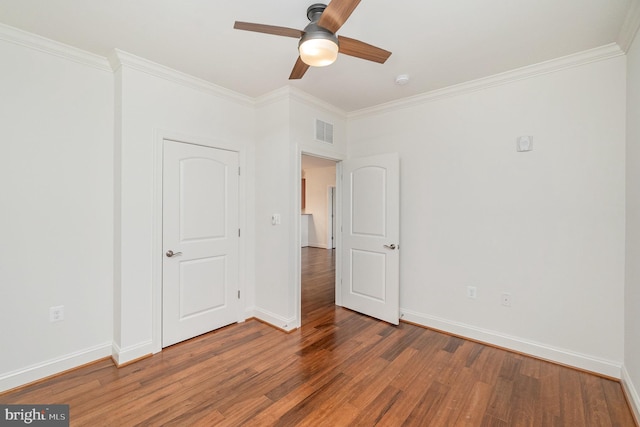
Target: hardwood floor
x=339 y=369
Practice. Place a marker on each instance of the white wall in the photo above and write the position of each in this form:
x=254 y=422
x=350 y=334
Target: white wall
x=304 y=112
x=156 y=102
x=632 y=291
x=318 y=182
x=285 y=128
x=56 y=203
x=545 y=226
x=275 y=300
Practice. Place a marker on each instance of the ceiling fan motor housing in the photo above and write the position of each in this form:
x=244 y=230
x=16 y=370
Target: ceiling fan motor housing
x=313 y=30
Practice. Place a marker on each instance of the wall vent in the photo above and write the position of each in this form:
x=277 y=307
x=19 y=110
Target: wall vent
x=324 y=131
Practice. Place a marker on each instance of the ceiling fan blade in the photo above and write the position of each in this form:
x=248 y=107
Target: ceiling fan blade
x=336 y=14
x=298 y=70
x=353 y=47
x=268 y=29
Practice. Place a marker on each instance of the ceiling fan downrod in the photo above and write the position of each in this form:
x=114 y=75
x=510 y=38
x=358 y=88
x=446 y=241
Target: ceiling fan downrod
x=314 y=11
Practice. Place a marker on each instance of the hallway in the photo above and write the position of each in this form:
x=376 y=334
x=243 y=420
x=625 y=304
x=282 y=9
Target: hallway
x=318 y=282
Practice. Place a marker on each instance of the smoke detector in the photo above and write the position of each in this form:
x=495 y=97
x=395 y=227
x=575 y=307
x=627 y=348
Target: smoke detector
x=402 y=79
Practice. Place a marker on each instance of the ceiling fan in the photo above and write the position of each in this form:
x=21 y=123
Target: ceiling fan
x=319 y=45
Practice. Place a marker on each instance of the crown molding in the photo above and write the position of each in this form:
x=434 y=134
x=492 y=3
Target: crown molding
x=611 y=50
x=281 y=94
x=61 y=50
x=630 y=26
x=291 y=93
x=310 y=100
x=119 y=58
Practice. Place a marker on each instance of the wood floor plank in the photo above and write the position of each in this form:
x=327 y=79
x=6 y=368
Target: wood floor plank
x=499 y=407
x=199 y=416
x=619 y=412
x=595 y=402
x=347 y=415
x=378 y=411
x=370 y=388
x=307 y=406
x=453 y=403
x=426 y=409
x=339 y=369
x=526 y=398
x=571 y=398
x=472 y=411
x=489 y=364
x=550 y=389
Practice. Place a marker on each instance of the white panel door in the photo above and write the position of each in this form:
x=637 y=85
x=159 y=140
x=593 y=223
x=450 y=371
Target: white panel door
x=371 y=231
x=200 y=240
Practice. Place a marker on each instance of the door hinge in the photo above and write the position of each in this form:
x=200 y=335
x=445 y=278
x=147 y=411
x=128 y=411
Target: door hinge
x=238 y=232
x=238 y=294
x=238 y=170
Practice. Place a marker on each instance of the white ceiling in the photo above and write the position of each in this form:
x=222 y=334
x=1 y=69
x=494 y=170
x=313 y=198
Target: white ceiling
x=439 y=43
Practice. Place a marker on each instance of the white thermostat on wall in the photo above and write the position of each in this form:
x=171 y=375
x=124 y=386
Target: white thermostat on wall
x=524 y=143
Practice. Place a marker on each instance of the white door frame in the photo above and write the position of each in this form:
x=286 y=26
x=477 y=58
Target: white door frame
x=156 y=241
x=331 y=208
x=297 y=238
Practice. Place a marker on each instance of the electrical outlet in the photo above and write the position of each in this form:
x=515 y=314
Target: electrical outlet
x=56 y=314
x=506 y=299
x=472 y=292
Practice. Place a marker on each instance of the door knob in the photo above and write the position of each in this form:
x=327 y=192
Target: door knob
x=391 y=246
x=170 y=253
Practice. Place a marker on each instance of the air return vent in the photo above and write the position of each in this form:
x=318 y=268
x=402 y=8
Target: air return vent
x=324 y=131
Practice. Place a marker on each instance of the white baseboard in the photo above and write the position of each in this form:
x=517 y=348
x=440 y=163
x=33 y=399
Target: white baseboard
x=133 y=352
x=632 y=393
x=51 y=367
x=317 y=245
x=276 y=320
x=536 y=349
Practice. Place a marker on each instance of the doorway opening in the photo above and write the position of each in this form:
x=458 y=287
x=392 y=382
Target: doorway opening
x=318 y=237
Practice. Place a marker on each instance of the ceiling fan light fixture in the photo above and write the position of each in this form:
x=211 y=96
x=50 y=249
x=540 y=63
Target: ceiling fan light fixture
x=318 y=52
x=318 y=47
